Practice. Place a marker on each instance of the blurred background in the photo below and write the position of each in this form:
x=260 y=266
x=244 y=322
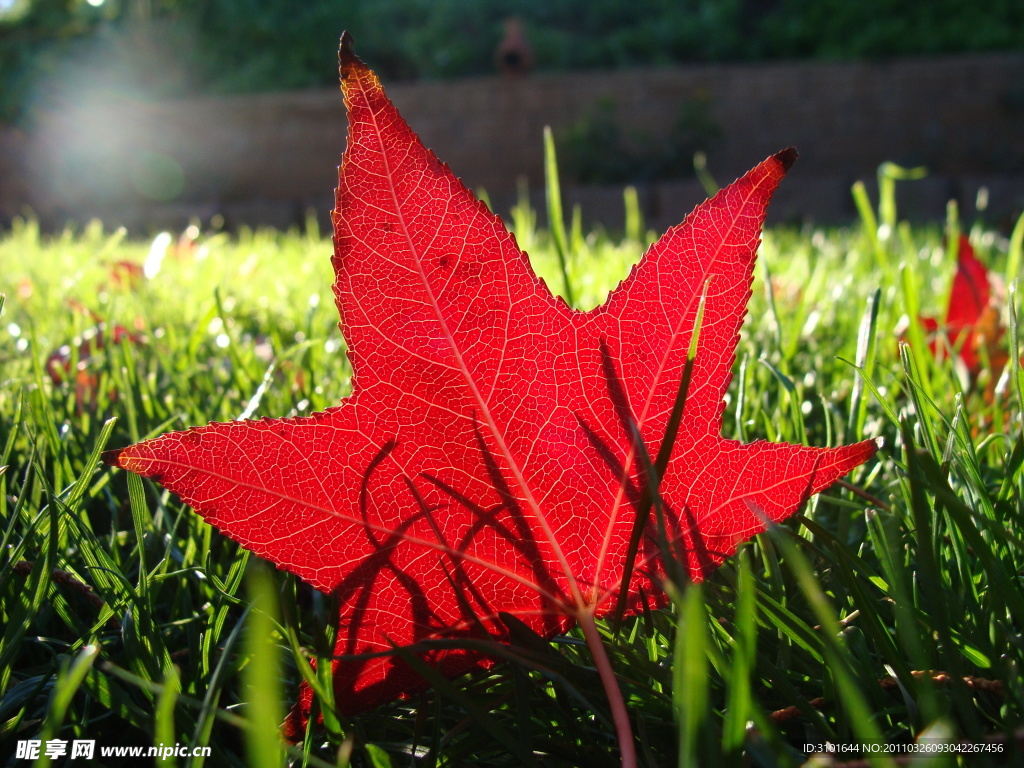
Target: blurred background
x=152 y=113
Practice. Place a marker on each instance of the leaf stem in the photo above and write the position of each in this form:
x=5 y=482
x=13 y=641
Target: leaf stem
x=623 y=730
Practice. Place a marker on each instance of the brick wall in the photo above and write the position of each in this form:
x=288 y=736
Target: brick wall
x=267 y=158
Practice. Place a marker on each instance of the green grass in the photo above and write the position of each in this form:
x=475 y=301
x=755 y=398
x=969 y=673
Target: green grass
x=891 y=607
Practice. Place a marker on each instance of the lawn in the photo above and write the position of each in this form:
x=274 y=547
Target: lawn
x=889 y=612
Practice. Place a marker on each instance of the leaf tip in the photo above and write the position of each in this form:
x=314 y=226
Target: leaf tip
x=112 y=457
x=122 y=459
x=787 y=157
x=347 y=59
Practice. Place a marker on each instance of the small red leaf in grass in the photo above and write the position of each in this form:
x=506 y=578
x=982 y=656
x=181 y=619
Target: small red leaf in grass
x=484 y=463
x=971 y=292
x=126 y=274
x=85 y=349
x=968 y=307
x=973 y=324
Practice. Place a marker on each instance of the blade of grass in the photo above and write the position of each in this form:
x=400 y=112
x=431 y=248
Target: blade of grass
x=262 y=674
x=480 y=715
x=69 y=680
x=864 y=361
x=155 y=689
x=700 y=168
x=634 y=226
x=651 y=495
x=690 y=675
x=739 y=700
x=861 y=716
x=164 y=731
x=870 y=224
x=556 y=222
x=1015 y=350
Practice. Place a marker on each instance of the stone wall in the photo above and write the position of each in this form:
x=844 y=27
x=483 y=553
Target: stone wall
x=266 y=159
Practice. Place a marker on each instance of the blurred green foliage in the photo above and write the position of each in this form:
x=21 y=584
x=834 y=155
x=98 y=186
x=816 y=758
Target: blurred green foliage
x=171 y=47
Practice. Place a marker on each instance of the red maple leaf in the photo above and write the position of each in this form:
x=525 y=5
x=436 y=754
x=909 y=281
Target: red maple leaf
x=485 y=460
x=973 y=326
